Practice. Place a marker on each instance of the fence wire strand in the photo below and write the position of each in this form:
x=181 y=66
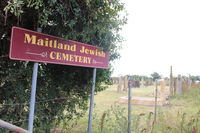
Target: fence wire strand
x=42 y=101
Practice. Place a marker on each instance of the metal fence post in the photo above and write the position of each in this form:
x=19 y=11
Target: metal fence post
x=156 y=97
x=91 y=102
x=129 y=106
x=33 y=94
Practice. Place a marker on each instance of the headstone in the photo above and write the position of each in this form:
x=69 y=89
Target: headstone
x=171 y=88
x=142 y=83
x=134 y=83
x=185 y=85
x=125 y=88
x=137 y=84
x=179 y=85
x=174 y=85
x=189 y=82
x=115 y=80
x=120 y=85
x=162 y=89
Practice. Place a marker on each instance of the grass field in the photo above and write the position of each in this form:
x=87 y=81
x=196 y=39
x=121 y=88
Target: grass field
x=108 y=113
x=104 y=100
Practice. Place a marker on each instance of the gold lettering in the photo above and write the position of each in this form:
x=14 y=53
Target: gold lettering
x=84 y=59
x=46 y=42
x=76 y=58
x=92 y=52
x=96 y=52
x=52 y=55
x=102 y=54
x=60 y=46
x=83 y=49
x=66 y=47
x=55 y=44
x=28 y=39
x=73 y=48
x=50 y=43
x=80 y=59
x=71 y=58
x=89 y=60
x=40 y=42
x=65 y=56
x=87 y=51
x=58 y=56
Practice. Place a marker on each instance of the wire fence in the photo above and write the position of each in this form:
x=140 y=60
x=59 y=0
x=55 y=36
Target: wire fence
x=27 y=103
x=20 y=121
x=24 y=120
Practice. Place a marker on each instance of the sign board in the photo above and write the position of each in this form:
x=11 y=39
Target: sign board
x=29 y=45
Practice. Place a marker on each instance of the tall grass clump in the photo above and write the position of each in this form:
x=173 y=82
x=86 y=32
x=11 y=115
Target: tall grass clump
x=113 y=120
x=183 y=115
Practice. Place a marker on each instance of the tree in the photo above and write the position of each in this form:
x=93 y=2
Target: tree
x=194 y=78
x=139 y=77
x=155 y=76
x=96 y=22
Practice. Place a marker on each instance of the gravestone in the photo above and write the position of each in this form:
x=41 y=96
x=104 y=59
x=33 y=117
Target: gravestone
x=142 y=83
x=179 y=85
x=174 y=85
x=125 y=88
x=189 y=82
x=120 y=85
x=123 y=84
x=115 y=80
x=134 y=83
x=185 y=85
x=162 y=89
x=171 y=87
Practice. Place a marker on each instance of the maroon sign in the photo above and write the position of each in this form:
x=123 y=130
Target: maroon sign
x=38 y=47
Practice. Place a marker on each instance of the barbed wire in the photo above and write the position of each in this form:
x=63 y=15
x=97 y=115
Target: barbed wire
x=14 y=104
x=19 y=121
x=27 y=103
x=11 y=69
x=22 y=104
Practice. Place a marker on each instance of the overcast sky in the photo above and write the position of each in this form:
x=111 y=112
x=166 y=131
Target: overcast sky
x=160 y=34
